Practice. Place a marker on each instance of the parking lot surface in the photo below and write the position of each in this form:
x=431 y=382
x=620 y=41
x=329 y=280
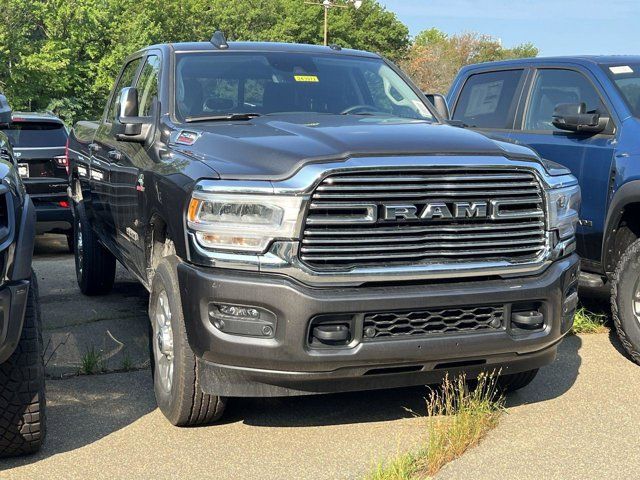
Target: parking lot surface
x=578 y=419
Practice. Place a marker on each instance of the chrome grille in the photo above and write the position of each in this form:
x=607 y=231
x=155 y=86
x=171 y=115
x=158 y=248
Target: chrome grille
x=428 y=322
x=345 y=228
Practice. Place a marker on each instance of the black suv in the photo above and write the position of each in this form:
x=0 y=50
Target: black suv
x=39 y=144
x=22 y=395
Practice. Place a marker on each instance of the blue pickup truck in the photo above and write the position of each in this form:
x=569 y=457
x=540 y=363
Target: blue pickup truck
x=584 y=113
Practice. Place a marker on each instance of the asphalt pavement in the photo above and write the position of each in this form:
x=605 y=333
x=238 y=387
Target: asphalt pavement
x=579 y=419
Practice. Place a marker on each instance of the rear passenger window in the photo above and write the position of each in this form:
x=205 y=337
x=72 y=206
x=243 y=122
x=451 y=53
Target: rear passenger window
x=553 y=87
x=488 y=100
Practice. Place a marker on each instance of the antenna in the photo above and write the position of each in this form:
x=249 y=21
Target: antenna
x=219 y=41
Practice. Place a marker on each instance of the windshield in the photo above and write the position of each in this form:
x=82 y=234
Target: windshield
x=36 y=134
x=627 y=79
x=209 y=84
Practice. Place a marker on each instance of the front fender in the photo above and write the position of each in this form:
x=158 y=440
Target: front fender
x=20 y=268
x=627 y=194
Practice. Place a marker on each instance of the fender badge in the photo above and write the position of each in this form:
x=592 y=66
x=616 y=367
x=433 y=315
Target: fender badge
x=140 y=183
x=187 y=138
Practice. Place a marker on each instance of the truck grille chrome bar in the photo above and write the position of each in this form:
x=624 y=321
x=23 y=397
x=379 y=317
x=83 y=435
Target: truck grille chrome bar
x=421 y=217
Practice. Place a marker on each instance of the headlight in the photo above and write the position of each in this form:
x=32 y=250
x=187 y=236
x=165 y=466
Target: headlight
x=564 y=207
x=242 y=222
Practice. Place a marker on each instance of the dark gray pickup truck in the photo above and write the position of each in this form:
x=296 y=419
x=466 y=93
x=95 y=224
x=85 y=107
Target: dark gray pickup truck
x=306 y=223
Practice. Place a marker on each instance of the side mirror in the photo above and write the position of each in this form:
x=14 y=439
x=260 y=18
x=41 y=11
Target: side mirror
x=574 y=118
x=132 y=128
x=440 y=104
x=5 y=111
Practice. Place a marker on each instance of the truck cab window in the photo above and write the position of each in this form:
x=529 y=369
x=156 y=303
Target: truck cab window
x=125 y=80
x=488 y=100
x=276 y=83
x=555 y=86
x=148 y=84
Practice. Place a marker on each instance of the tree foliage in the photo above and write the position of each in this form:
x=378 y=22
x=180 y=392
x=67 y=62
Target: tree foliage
x=64 y=54
x=435 y=57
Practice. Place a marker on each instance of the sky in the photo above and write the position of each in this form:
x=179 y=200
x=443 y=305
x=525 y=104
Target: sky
x=560 y=27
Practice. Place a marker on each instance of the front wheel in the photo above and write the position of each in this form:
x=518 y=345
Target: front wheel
x=625 y=300
x=174 y=368
x=22 y=390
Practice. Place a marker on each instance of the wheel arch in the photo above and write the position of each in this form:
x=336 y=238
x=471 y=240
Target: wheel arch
x=160 y=240
x=622 y=225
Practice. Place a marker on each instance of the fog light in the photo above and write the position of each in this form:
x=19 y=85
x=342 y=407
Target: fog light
x=236 y=311
x=243 y=320
x=531 y=320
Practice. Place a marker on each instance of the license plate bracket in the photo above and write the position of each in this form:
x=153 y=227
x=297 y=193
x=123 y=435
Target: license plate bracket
x=23 y=170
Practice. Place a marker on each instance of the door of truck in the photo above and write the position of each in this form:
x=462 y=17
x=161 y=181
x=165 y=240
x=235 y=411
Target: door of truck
x=588 y=156
x=104 y=203
x=129 y=162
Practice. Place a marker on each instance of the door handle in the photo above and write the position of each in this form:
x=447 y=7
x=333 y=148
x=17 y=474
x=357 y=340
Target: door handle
x=94 y=147
x=115 y=155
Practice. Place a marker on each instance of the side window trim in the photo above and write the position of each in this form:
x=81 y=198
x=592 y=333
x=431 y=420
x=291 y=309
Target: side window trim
x=611 y=129
x=513 y=108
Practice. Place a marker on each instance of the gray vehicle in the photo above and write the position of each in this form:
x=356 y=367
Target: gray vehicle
x=22 y=393
x=306 y=223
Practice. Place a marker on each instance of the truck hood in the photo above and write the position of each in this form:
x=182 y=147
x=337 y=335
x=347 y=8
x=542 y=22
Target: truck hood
x=274 y=147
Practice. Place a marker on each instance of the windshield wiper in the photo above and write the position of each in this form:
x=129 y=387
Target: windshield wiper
x=218 y=118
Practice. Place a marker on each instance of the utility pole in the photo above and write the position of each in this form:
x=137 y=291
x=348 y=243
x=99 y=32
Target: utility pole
x=329 y=4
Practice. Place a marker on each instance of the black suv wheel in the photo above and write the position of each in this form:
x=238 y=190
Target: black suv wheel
x=175 y=373
x=625 y=300
x=95 y=265
x=22 y=392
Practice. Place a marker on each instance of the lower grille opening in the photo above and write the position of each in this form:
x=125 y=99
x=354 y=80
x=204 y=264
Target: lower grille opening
x=386 y=325
x=464 y=363
x=384 y=371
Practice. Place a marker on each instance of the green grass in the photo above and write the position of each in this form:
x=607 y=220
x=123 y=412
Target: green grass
x=587 y=321
x=458 y=418
x=91 y=362
x=127 y=363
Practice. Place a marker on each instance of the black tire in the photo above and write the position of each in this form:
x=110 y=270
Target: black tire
x=623 y=290
x=183 y=403
x=516 y=381
x=95 y=265
x=22 y=389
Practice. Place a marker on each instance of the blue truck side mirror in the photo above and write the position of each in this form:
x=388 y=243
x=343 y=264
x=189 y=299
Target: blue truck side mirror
x=574 y=118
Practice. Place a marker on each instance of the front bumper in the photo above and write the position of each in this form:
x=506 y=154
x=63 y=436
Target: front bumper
x=13 y=301
x=286 y=363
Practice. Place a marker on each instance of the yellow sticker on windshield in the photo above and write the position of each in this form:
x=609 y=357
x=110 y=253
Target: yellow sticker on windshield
x=306 y=78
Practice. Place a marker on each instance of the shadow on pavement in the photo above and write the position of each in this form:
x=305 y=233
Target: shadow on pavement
x=554 y=380
x=384 y=405
x=82 y=410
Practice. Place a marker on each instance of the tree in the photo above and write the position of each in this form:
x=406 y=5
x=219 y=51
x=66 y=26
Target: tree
x=64 y=54
x=435 y=58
